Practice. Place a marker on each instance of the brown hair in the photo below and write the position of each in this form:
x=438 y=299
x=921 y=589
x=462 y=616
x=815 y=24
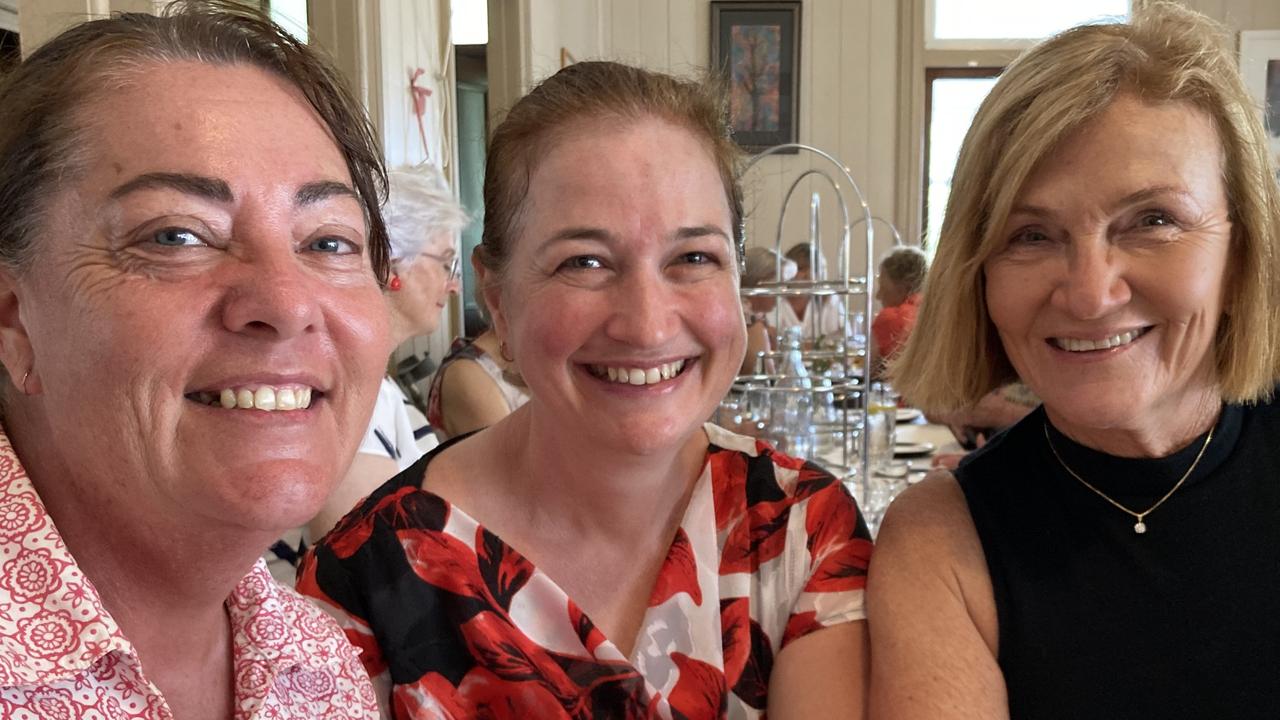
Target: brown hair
x=41 y=101
x=906 y=266
x=1166 y=54
x=586 y=91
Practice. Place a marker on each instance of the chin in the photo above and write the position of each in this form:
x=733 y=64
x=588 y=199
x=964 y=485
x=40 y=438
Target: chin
x=651 y=436
x=276 y=495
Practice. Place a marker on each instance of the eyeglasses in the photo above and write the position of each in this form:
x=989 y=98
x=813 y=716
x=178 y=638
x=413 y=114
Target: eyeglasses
x=451 y=264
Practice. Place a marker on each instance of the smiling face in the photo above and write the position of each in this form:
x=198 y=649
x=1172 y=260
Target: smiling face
x=211 y=253
x=620 y=299
x=425 y=286
x=1108 y=295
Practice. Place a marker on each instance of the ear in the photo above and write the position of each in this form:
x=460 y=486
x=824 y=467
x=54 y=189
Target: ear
x=15 y=346
x=491 y=292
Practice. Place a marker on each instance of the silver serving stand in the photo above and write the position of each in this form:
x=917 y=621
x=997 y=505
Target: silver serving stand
x=850 y=383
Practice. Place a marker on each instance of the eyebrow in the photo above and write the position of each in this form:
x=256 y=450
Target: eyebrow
x=198 y=185
x=321 y=190
x=602 y=235
x=1133 y=197
x=217 y=190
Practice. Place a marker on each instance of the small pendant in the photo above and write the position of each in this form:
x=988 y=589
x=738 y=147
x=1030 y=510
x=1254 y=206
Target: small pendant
x=1139 y=527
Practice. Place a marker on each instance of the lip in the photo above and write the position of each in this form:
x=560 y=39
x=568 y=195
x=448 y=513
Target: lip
x=256 y=379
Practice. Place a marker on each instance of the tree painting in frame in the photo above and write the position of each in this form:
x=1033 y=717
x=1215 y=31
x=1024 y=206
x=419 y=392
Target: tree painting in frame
x=756 y=45
x=1260 y=66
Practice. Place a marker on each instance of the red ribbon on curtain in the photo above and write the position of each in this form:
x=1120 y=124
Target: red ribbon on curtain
x=420 y=95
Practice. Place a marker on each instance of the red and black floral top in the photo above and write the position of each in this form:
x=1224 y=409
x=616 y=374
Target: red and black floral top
x=460 y=625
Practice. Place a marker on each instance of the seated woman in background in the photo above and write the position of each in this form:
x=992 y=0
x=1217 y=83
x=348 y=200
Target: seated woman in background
x=898 y=288
x=823 y=317
x=601 y=551
x=423 y=221
x=1111 y=240
x=762 y=265
x=475 y=386
x=191 y=334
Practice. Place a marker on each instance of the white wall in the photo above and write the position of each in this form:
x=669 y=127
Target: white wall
x=848 y=90
x=859 y=99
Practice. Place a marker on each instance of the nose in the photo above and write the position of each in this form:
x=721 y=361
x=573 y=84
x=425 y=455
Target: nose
x=1094 y=284
x=644 y=312
x=270 y=296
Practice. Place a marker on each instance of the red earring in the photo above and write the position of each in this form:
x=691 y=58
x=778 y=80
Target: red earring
x=395 y=283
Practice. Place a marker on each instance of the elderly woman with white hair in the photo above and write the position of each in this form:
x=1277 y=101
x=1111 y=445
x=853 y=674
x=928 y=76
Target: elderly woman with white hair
x=423 y=221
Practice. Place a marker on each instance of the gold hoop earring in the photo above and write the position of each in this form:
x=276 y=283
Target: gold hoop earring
x=25 y=375
x=504 y=353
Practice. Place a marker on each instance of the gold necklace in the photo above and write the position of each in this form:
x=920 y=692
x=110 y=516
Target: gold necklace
x=1139 y=527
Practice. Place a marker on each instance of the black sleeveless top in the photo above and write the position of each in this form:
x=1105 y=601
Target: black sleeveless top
x=1096 y=621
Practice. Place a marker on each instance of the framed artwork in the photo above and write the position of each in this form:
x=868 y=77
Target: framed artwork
x=756 y=45
x=1260 y=65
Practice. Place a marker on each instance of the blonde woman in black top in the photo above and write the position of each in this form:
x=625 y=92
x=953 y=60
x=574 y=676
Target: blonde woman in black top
x=1112 y=242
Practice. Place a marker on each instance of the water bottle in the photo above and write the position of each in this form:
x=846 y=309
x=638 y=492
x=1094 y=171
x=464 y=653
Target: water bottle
x=792 y=422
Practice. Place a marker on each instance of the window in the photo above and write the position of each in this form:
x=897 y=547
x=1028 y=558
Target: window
x=952 y=97
x=967 y=43
x=977 y=23
x=290 y=15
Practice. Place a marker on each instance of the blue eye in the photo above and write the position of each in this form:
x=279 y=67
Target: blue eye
x=334 y=245
x=176 y=237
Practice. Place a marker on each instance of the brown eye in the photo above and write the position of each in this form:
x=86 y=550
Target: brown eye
x=582 y=262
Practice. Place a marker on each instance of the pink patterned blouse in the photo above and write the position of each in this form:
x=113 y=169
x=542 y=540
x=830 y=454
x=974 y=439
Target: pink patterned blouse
x=62 y=656
x=461 y=625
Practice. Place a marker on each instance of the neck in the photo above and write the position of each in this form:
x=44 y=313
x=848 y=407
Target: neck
x=401 y=329
x=560 y=476
x=163 y=580
x=1175 y=424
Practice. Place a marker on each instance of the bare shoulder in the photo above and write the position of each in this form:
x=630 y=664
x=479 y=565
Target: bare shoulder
x=928 y=532
x=931 y=611
x=470 y=399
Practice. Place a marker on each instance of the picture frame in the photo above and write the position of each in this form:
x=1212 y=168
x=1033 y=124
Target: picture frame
x=1260 y=66
x=756 y=45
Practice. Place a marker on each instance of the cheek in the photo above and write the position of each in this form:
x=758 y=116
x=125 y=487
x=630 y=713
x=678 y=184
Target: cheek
x=720 y=320
x=359 y=325
x=1009 y=296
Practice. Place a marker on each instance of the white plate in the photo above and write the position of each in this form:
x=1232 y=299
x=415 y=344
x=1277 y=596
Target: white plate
x=906 y=415
x=913 y=449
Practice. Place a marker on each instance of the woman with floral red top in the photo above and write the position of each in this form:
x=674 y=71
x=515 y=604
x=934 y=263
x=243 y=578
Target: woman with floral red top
x=601 y=552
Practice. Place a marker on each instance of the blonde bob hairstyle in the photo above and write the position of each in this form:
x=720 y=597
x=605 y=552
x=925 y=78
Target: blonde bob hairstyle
x=1166 y=54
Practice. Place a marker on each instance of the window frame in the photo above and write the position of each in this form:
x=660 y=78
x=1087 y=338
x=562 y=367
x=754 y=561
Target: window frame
x=930 y=75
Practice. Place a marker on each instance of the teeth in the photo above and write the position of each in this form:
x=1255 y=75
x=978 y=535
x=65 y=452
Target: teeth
x=638 y=376
x=262 y=397
x=1076 y=345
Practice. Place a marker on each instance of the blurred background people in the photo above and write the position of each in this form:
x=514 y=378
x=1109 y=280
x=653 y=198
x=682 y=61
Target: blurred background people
x=823 y=316
x=763 y=265
x=601 y=551
x=1110 y=239
x=423 y=221
x=191 y=333
x=898 y=287
x=475 y=386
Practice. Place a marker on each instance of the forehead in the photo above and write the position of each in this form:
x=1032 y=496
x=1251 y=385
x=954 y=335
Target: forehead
x=1130 y=145
x=234 y=122
x=600 y=168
